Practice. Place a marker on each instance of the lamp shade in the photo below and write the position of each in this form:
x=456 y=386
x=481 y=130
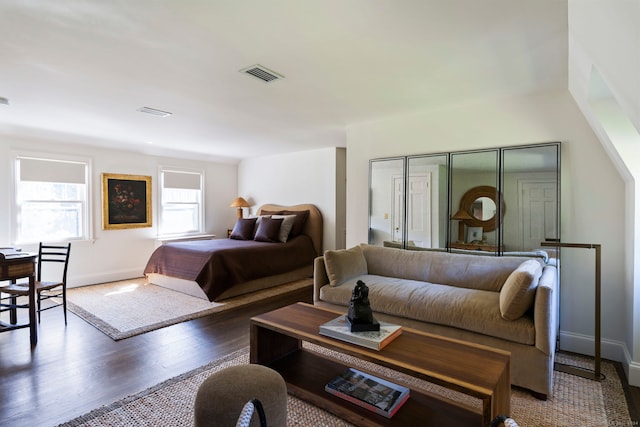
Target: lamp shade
x=462 y=215
x=239 y=202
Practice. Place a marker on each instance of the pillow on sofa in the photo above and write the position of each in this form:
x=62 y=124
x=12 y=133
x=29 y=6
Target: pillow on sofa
x=344 y=264
x=518 y=291
x=243 y=230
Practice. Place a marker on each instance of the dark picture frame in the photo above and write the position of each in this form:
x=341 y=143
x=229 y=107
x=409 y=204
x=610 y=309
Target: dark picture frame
x=126 y=201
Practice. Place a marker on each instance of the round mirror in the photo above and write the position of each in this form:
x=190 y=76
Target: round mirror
x=483 y=208
x=481 y=205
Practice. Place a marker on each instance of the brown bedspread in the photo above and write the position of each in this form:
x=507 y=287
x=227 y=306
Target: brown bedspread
x=218 y=264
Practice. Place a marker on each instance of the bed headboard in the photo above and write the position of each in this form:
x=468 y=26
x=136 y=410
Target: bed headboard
x=313 y=226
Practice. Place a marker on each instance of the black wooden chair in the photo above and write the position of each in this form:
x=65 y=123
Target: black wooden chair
x=45 y=290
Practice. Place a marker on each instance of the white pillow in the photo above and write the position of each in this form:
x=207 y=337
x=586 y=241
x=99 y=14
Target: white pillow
x=285 y=228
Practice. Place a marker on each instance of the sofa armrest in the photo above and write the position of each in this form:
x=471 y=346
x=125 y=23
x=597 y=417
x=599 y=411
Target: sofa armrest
x=546 y=310
x=320 y=277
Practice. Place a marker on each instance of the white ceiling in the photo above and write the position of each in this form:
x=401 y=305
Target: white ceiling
x=78 y=70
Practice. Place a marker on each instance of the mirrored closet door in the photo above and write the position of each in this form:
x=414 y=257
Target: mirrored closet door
x=387 y=202
x=531 y=188
x=494 y=200
x=474 y=201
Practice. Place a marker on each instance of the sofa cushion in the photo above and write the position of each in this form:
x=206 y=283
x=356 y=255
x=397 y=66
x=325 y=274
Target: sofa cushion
x=392 y=262
x=343 y=264
x=519 y=290
x=469 y=309
x=481 y=272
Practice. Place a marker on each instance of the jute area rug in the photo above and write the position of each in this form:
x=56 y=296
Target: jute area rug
x=576 y=401
x=132 y=307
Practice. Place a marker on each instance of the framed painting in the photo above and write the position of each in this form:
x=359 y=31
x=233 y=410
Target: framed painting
x=126 y=201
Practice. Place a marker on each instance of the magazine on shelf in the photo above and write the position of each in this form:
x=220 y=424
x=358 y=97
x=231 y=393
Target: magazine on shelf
x=365 y=390
x=339 y=328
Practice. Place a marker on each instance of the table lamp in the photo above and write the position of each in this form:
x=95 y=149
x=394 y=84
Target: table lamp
x=239 y=203
x=461 y=216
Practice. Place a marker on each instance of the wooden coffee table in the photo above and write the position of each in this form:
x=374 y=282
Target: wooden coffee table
x=475 y=370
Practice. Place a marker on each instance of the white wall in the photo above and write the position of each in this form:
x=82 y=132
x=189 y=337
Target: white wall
x=119 y=254
x=314 y=176
x=604 y=64
x=592 y=191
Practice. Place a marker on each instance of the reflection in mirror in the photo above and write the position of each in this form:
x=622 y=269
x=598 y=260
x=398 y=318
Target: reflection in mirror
x=386 y=201
x=531 y=178
x=426 y=202
x=483 y=208
x=416 y=202
x=474 y=178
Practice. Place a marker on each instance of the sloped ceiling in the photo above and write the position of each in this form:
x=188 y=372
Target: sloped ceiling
x=77 y=71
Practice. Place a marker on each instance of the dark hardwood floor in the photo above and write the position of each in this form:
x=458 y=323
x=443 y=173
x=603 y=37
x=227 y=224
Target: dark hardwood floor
x=76 y=368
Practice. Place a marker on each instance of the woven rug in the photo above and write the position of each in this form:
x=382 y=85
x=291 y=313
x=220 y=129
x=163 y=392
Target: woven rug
x=131 y=307
x=576 y=401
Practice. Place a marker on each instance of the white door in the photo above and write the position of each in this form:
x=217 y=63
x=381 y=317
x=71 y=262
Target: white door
x=397 y=212
x=538 y=208
x=418 y=210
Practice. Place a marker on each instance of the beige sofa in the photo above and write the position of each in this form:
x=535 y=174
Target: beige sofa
x=507 y=302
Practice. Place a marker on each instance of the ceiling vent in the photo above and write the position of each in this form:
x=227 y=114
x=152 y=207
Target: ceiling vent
x=259 y=72
x=154 y=111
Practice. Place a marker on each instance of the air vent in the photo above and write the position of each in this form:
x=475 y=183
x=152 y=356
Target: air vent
x=262 y=73
x=4 y=101
x=154 y=111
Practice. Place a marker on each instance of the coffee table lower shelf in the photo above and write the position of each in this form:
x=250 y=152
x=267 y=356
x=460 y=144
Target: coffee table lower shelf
x=307 y=372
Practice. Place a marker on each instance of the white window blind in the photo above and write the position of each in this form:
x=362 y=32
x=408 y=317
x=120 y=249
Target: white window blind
x=182 y=202
x=186 y=180
x=51 y=202
x=45 y=170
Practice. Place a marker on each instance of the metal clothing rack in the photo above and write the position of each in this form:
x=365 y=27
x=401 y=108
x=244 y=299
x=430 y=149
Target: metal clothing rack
x=575 y=370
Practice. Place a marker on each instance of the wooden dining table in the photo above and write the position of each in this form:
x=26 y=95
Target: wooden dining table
x=14 y=267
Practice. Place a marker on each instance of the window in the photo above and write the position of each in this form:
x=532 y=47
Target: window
x=181 y=201
x=51 y=199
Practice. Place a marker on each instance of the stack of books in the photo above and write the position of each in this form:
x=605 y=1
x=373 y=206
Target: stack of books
x=375 y=394
x=8 y=252
x=339 y=328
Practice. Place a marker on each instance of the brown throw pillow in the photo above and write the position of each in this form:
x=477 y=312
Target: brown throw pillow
x=269 y=213
x=344 y=264
x=519 y=290
x=268 y=230
x=243 y=230
x=298 y=224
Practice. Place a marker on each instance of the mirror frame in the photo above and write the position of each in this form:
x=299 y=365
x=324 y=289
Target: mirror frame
x=471 y=196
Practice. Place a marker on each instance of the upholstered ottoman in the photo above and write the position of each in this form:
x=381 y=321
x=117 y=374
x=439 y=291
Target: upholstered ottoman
x=222 y=396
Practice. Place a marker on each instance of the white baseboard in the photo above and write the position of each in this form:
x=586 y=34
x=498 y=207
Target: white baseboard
x=103 y=277
x=633 y=373
x=609 y=349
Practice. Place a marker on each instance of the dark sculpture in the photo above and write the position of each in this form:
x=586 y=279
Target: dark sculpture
x=360 y=316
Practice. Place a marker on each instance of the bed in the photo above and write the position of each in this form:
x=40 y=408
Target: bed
x=223 y=268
